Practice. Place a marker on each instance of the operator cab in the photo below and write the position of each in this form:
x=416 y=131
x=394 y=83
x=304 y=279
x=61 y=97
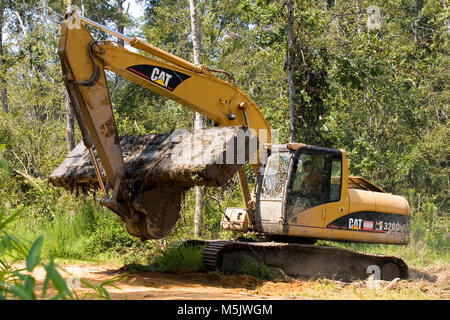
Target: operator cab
x=296 y=178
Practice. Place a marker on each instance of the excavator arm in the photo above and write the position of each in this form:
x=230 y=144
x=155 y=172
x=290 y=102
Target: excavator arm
x=84 y=61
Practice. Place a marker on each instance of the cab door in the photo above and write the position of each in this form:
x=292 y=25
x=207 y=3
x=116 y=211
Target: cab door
x=314 y=182
x=271 y=190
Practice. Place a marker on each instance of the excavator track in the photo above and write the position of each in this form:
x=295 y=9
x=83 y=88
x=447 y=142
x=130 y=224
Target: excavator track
x=301 y=260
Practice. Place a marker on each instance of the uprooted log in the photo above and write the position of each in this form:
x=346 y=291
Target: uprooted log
x=159 y=168
x=184 y=158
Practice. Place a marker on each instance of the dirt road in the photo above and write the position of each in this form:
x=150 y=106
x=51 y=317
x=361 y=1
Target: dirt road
x=431 y=283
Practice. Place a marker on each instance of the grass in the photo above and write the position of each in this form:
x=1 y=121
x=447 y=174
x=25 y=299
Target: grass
x=179 y=258
x=95 y=234
x=328 y=289
x=258 y=270
x=91 y=234
x=79 y=228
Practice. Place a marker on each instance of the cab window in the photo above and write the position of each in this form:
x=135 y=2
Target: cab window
x=316 y=179
x=275 y=175
x=336 y=179
x=308 y=186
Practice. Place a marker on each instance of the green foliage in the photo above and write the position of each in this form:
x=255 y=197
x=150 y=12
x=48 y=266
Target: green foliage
x=91 y=233
x=34 y=255
x=18 y=283
x=100 y=292
x=3 y=163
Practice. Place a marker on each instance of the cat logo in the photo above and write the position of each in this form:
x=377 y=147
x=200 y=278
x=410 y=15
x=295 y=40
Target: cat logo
x=163 y=77
x=354 y=224
x=160 y=77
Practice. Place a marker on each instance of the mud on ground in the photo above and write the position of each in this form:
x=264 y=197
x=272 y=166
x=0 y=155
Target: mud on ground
x=429 y=283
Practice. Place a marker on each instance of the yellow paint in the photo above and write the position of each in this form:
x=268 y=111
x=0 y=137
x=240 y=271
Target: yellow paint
x=311 y=217
x=311 y=223
x=385 y=202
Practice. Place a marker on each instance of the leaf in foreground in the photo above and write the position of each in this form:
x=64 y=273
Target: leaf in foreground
x=35 y=254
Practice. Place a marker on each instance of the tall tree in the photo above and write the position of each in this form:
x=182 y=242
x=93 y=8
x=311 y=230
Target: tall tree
x=307 y=65
x=198 y=124
x=447 y=18
x=291 y=70
x=70 y=124
x=120 y=25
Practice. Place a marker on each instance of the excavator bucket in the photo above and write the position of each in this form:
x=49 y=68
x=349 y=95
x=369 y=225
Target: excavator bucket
x=156 y=212
x=159 y=168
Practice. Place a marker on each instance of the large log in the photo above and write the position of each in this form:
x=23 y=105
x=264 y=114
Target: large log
x=183 y=159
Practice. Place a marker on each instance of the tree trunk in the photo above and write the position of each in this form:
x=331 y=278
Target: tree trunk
x=291 y=71
x=70 y=124
x=4 y=93
x=358 y=17
x=161 y=160
x=120 y=26
x=196 y=41
x=414 y=23
x=199 y=190
x=19 y=18
x=447 y=20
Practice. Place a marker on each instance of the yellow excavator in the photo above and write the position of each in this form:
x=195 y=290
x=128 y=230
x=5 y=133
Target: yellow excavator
x=302 y=191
